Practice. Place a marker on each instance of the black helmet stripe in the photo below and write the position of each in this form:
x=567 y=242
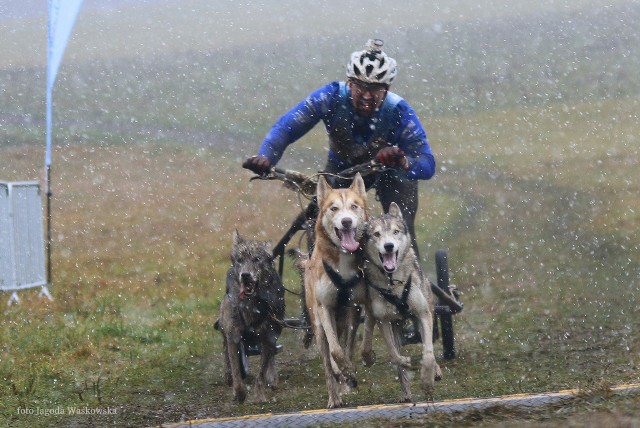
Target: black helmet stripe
x=369 y=69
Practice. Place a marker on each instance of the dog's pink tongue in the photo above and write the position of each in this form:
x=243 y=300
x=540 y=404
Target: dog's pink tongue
x=389 y=261
x=348 y=240
x=243 y=291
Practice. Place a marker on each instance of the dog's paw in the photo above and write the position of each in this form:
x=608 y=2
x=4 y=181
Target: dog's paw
x=240 y=394
x=368 y=358
x=259 y=396
x=343 y=388
x=403 y=361
x=405 y=398
x=346 y=384
x=352 y=383
x=334 y=403
x=273 y=383
x=340 y=364
x=427 y=378
x=438 y=374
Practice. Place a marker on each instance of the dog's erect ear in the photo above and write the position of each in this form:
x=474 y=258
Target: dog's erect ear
x=358 y=186
x=322 y=189
x=237 y=239
x=394 y=210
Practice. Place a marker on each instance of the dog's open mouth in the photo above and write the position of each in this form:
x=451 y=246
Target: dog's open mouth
x=247 y=288
x=347 y=239
x=389 y=261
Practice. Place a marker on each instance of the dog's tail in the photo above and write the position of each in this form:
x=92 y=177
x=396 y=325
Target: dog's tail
x=300 y=261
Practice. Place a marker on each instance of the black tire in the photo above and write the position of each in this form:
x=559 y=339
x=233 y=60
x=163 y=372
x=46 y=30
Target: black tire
x=446 y=319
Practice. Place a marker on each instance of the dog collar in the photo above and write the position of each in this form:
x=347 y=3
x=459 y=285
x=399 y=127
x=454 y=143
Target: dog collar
x=392 y=281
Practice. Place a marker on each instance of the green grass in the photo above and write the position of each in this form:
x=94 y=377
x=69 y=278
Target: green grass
x=536 y=201
x=142 y=235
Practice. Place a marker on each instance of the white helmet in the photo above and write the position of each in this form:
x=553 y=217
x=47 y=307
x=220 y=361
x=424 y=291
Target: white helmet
x=372 y=65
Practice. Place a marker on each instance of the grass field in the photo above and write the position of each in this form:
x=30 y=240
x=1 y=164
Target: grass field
x=536 y=200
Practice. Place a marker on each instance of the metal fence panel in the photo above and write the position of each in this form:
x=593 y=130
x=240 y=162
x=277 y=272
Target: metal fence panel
x=6 y=247
x=23 y=261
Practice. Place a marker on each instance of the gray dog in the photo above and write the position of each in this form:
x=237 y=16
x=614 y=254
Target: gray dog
x=249 y=316
x=398 y=289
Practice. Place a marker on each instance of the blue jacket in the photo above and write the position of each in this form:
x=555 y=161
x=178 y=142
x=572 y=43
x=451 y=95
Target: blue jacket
x=354 y=139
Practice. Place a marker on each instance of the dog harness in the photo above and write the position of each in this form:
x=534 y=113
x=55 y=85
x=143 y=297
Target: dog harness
x=344 y=287
x=400 y=302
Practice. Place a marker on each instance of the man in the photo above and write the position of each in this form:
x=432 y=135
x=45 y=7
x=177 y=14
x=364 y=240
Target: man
x=364 y=121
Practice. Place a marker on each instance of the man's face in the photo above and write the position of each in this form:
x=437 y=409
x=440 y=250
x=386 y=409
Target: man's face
x=366 y=97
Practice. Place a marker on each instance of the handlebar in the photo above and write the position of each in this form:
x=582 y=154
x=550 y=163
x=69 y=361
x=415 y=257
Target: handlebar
x=307 y=184
x=364 y=169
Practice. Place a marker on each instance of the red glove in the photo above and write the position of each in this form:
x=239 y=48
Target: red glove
x=258 y=164
x=393 y=157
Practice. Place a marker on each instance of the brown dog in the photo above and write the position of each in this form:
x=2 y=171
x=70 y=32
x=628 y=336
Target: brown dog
x=334 y=281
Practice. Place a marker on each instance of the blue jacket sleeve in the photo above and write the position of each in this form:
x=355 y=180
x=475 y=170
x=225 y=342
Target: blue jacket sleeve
x=412 y=139
x=298 y=121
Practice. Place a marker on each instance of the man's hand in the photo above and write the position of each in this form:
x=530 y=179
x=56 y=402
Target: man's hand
x=393 y=157
x=258 y=164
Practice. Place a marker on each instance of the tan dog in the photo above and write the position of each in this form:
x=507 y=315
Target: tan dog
x=334 y=284
x=397 y=289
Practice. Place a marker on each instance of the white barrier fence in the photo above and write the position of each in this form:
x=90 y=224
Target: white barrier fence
x=22 y=256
